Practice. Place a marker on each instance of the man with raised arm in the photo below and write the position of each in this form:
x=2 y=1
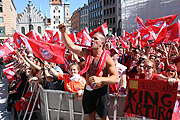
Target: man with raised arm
x=101 y=73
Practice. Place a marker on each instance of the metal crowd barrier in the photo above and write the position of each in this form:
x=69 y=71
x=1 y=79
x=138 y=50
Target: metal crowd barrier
x=63 y=105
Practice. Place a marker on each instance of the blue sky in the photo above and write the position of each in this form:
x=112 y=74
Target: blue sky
x=21 y=4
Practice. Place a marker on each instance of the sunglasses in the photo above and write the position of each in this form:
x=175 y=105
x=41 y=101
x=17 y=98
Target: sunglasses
x=141 y=66
x=147 y=67
x=170 y=70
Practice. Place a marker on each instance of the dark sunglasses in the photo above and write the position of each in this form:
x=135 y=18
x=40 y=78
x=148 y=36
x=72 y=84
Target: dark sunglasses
x=170 y=70
x=147 y=67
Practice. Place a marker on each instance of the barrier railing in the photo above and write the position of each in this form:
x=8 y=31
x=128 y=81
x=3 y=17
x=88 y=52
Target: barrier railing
x=57 y=105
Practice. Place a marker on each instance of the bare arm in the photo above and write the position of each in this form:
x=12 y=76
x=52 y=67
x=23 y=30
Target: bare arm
x=68 y=42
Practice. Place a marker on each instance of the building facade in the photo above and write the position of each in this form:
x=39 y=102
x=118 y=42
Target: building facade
x=110 y=15
x=31 y=19
x=75 y=20
x=146 y=9
x=84 y=17
x=67 y=16
x=56 y=11
x=95 y=14
x=7 y=19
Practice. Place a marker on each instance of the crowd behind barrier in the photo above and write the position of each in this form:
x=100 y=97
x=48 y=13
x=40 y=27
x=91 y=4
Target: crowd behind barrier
x=55 y=90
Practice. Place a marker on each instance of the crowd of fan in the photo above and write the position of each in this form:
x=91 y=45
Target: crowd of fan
x=160 y=63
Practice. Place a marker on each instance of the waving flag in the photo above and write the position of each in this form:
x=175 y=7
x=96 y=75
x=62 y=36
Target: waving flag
x=161 y=36
x=73 y=37
x=47 y=51
x=56 y=39
x=173 y=31
x=31 y=34
x=124 y=44
x=159 y=21
x=5 y=49
x=9 y=72
x=9 y=40
x=102 y=29
x=49 y=33
x=86 y=39
x=79 y=34
x=144 y=32
x=17 y=39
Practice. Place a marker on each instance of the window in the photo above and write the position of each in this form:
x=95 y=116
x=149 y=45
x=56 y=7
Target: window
x=54 y=11
x=54 y=22
x=67 y=14
x=1 y=9
x=59 y=16
x=39 y=29
x=58 y=11
x=113 y=10
x=1 y=20
x=23 y=30
x=113 y=20
x=0 y=0
x=54 y=17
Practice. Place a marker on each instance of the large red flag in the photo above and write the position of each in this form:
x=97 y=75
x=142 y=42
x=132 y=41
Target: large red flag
x=5 y=49
x=9 y=72
x=47 y=51
x=161 y=36
x=102 y=29
x=168 y=19
x=86 y=39
x=144 y=32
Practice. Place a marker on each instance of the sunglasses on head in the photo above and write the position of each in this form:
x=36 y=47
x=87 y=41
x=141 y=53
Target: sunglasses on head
x=170 y=70
x=147 y=67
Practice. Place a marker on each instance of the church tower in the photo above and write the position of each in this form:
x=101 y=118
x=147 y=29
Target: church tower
x=56 y=10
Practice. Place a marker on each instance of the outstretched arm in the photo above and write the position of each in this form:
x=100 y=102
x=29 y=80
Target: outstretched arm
x=68 y=42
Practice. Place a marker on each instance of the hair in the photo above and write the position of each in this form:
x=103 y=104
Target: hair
x=75 y=64
x=175 y=76
x=153 y=64
x=103 y=38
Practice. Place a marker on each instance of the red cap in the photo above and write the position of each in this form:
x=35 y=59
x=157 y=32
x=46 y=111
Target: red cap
x=173 y=67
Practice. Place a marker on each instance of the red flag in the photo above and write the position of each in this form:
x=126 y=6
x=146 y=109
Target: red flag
x=9 y=40
x=9 y=72
x=31 y=34
x=73 y=37
x=162 y=35
x=124 y=44
x=79 y=34
x=173 y=31
x=49 y=33
x=47 y=51
x=17 y=39
x=102 y=29
x=5 y=49
x=86 y=39
x=56 y=39
x=144 y=32
x=168 y=19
